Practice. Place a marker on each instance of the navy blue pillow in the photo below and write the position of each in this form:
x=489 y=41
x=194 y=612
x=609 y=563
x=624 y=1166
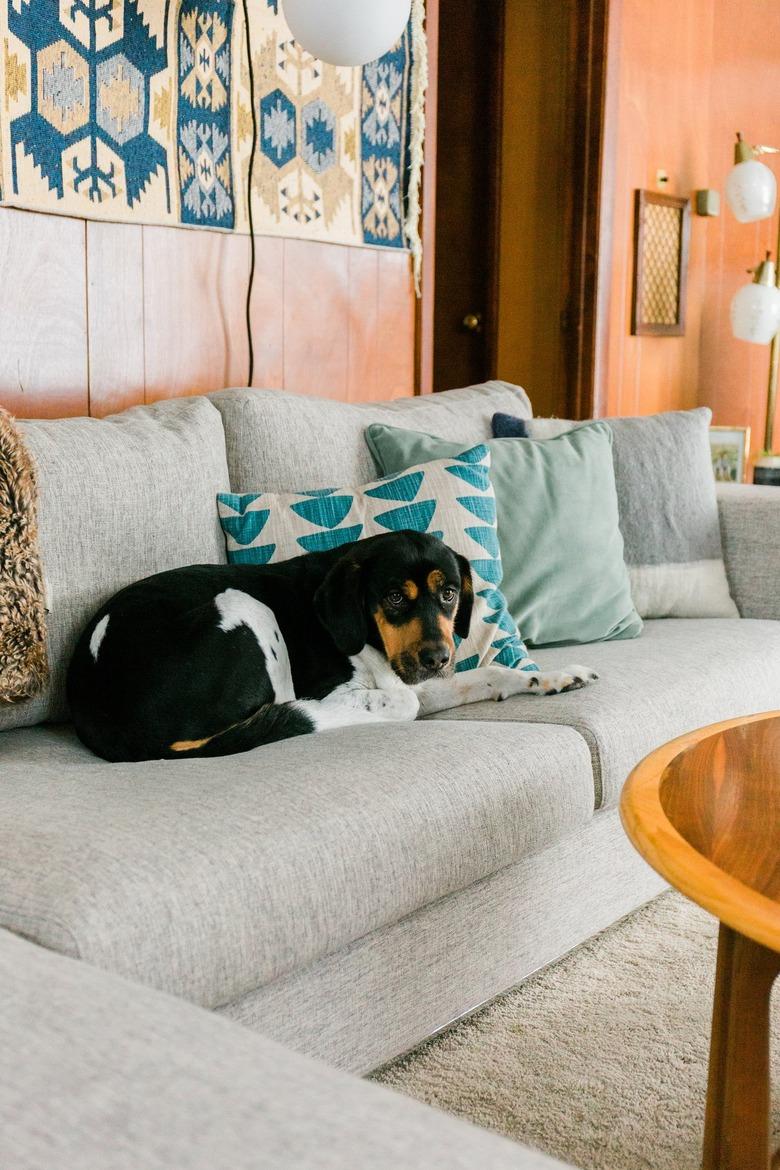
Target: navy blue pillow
x=506 y=426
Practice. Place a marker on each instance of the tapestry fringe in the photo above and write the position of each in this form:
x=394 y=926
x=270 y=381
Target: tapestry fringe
x=417 y=139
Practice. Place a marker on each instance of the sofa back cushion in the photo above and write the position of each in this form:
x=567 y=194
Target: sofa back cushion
x=119 y=499
x=276 y=442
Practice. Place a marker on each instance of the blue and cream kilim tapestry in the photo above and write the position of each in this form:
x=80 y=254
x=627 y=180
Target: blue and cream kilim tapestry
x=139 y=111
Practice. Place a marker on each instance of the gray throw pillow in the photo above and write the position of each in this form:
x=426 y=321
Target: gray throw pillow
x=668 y=511
x=120 y=498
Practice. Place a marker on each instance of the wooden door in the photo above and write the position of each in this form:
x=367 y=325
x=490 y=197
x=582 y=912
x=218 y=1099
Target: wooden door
x=468 y=130
x=517 y=257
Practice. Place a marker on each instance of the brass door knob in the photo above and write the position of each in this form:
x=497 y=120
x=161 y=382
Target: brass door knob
x=472 y=322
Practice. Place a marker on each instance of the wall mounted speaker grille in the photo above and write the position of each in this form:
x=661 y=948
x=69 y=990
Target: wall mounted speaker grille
x=661 y=237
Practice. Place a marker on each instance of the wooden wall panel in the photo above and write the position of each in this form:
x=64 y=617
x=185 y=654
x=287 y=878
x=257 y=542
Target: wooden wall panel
x=268 y=313
x=665 y=55
x=363 y=340
x=115 y=290
x=316 y=318
x=194 y=331
x=744 y=95
x=98 y=317
x=43 y=315
x=690 y=76
x=395 y=325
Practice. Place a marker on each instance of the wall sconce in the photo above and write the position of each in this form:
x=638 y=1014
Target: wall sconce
x=755 y=308
x=751 y=188
x=346 y=32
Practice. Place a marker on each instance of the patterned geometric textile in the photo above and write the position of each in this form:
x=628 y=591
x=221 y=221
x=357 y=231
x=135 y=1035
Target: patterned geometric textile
x=449 y=498
x=139 y=111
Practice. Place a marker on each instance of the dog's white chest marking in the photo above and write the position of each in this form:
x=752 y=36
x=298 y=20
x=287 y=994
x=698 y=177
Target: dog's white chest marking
x=98 y=634
x=374 y=694
x=236 y=608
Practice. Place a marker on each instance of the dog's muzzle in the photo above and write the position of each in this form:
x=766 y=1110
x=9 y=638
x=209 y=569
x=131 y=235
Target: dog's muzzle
x=428 y=662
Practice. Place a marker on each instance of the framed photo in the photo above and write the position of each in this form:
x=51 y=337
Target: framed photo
x=730 y=447
x=662 y=231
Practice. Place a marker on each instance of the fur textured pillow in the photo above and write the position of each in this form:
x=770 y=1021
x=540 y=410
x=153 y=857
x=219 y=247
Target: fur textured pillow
x=23 y=663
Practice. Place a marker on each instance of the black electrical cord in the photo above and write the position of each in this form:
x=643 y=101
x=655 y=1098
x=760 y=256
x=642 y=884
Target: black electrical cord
x=249 y=198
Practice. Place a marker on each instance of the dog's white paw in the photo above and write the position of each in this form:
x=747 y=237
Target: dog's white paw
x=502 y=682
x=571 y=678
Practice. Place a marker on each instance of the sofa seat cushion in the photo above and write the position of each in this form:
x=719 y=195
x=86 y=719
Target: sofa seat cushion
x=208 y=878
x=100 y=1074
x=681 y=674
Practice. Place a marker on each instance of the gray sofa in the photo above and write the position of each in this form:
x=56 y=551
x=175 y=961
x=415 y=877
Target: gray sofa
x=350 y=893
x=100 y=1074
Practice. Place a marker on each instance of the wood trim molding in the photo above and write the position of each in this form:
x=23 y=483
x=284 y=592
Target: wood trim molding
x=425 y=304
x=597 y=47
x=493 y=209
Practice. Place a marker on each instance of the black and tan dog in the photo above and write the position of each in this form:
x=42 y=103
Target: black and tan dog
x=214 y=659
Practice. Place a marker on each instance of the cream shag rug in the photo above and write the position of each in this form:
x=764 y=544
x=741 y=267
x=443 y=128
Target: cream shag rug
x=600 y=1060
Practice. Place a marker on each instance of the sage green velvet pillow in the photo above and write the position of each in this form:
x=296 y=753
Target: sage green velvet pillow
x=565 y=579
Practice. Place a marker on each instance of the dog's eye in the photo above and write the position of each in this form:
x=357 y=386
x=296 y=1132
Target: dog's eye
x=448 y=594
x=395 y=597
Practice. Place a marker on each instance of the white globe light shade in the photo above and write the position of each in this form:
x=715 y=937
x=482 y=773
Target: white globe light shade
x=751 y=191
x=346 y=32
x=755 y=313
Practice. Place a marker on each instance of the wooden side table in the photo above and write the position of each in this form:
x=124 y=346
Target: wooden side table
x=704 y=811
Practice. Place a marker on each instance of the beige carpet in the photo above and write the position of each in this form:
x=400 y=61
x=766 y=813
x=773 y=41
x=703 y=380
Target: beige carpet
x=600 y=1060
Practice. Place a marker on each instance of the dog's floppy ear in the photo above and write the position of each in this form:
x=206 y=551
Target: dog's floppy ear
x=340 y=605
x=466 y=601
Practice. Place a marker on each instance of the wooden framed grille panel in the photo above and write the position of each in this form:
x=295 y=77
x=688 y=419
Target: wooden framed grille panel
x=661 y=240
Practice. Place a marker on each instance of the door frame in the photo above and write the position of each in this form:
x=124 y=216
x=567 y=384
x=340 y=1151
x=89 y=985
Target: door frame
x=424 y=308
x=595 y=67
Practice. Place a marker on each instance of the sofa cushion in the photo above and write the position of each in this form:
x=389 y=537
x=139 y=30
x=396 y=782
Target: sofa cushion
x=565 y=579
x=100 y=1074
x=668 y=511
x=120 y=498
x=208 y=878
x=681 y=674
x=280 y=442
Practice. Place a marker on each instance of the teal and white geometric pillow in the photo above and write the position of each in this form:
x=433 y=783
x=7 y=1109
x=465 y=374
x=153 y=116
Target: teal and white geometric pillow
x=449 y=498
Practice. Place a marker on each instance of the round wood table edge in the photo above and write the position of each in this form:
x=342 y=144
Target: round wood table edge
x=666 y=850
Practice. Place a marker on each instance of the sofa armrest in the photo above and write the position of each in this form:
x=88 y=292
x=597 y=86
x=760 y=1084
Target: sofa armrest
x=750 y=527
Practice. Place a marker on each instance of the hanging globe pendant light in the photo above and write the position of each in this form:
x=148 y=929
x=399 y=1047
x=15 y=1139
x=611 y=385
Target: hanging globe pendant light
x=755 y=308
x=751 y=187
x=346 y=32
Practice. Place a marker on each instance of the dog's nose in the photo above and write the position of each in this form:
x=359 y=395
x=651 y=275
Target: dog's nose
x=434 y=657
